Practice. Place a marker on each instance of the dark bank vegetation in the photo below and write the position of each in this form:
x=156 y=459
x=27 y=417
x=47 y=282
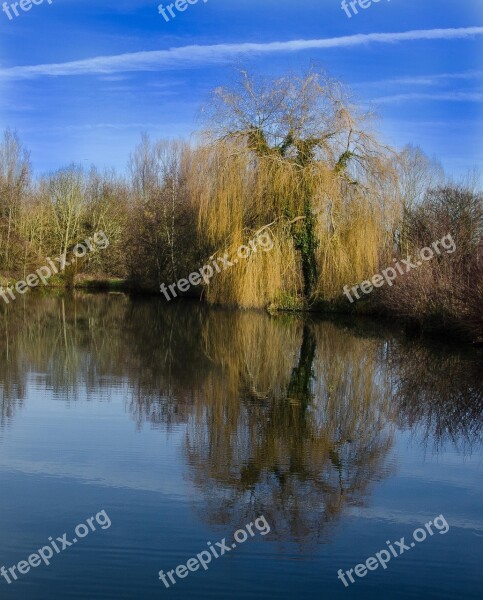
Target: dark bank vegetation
x=294 y=156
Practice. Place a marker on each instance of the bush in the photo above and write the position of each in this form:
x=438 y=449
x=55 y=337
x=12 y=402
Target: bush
x=446 y=292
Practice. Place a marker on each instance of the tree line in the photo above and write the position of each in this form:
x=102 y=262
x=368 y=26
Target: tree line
x=293 y=155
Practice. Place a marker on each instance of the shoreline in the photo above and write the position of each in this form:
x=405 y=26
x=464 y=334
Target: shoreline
x=437 y=325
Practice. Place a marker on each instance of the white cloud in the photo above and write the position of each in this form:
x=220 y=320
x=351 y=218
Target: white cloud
x=436 y=78
x=439 y=97
x=424 y=80
x=197 y=55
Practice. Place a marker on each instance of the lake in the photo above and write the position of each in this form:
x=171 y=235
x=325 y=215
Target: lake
x=184 y=424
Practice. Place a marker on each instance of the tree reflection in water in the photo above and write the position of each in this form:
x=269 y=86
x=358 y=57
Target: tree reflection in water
x=295 y=443
x=285 y=416
x=439 y=392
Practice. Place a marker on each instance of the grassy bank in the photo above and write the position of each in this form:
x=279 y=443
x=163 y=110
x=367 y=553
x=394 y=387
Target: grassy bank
x=440 y=324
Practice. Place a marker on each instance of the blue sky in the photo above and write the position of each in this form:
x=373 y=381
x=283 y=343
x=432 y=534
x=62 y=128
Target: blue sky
x=81 y=79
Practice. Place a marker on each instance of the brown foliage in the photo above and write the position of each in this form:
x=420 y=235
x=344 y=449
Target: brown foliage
x=446 y=292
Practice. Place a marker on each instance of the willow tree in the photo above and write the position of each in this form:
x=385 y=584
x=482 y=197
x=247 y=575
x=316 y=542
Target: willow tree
x=293 y=155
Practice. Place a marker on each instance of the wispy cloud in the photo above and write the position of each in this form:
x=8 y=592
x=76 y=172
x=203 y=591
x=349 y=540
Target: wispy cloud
x=438 y=97
x=197 y=55
x=436 y=78
x=94 y=127
x=424 y=80
x=112 y=78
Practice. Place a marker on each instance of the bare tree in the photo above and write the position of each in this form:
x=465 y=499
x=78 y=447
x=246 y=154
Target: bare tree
x=15 y=173
x=416 y=174
x=66 y=190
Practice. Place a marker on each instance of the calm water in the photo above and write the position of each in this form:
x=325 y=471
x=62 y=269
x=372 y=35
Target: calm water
x=185 y=424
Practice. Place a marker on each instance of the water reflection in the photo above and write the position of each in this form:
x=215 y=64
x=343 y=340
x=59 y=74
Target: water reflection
x=439 y=394
x=286 y=417
x=295 y=426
